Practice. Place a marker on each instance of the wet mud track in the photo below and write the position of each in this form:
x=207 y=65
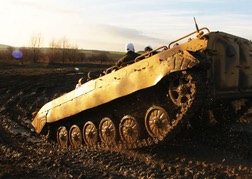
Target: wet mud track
x=219 y=152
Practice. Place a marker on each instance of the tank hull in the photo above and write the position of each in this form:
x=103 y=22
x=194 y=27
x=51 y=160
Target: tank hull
x=152 y=98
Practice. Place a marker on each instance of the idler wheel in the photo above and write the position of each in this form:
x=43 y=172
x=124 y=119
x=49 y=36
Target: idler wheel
x=129 y=129
x=75 y=137
x=62 y=136
x=107 y=131
x=90 y=133
x=182 y=89
x=157 y=122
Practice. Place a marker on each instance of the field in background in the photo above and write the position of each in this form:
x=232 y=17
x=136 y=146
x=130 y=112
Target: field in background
x=29 y=55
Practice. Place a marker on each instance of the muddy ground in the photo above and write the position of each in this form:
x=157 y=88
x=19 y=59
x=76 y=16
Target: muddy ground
x=219 y=152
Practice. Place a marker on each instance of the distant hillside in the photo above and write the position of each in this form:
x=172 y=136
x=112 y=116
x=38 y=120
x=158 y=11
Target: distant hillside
x=4 y=47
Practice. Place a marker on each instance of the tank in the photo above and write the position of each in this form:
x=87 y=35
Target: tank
x=192 y=80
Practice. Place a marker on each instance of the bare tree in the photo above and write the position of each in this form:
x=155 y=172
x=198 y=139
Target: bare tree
x=36 y=41
x=62 y=51
x=73 y=54
x=64 y=46
x=53 y=54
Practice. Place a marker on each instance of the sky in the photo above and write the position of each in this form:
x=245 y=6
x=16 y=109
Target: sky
x=110 y=24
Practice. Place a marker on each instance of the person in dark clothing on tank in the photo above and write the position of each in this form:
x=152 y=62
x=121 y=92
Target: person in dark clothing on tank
x=129 y=57
x=148 y=49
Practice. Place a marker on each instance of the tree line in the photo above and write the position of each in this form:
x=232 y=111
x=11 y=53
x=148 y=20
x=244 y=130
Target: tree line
x=58 y=52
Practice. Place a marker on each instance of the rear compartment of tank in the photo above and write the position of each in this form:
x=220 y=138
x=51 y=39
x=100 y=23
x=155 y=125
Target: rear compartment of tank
x=231 y=68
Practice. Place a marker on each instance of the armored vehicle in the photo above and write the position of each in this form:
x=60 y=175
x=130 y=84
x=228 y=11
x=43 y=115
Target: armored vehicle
x=151 y=98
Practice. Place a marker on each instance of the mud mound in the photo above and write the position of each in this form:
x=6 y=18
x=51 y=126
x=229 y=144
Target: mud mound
x=220 y=152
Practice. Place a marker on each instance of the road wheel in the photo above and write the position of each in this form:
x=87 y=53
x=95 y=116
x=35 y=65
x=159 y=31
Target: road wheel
x=157 y=122
x=107 y=131
x=62 y=136
x=75 y=137
x=90 y=133
x=129 y=129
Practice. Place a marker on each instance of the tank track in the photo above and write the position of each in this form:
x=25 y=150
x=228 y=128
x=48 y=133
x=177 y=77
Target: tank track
x=182 y=117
